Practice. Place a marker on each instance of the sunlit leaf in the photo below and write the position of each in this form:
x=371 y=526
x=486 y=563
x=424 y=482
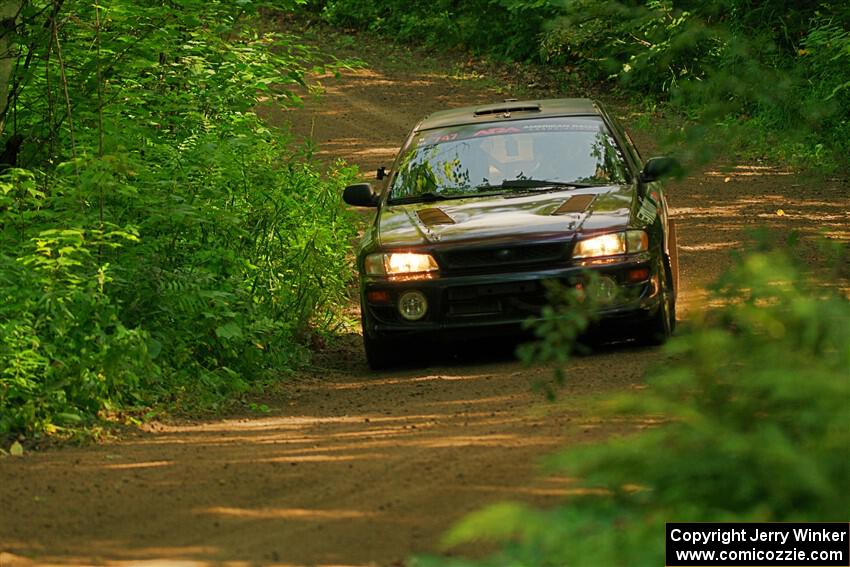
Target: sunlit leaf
x=230 y=330
x=16 y=450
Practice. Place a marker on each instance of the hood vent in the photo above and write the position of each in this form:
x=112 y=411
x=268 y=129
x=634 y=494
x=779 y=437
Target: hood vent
x=575 y=204
x=434 y=216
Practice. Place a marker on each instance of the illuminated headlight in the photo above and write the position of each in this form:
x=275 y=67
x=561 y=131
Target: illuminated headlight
x=400 y=263
x=412 y=305
x=627 y=242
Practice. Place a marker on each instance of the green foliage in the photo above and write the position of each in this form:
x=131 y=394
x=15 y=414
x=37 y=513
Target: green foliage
x=748 y=423
x=159 y=243
x=773 y=75
x=505 y=28
x=569 y=312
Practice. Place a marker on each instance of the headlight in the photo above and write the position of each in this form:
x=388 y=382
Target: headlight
x=627 y=242
x=400 y=263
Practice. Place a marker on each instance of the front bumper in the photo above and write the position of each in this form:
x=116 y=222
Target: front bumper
x=495 y=304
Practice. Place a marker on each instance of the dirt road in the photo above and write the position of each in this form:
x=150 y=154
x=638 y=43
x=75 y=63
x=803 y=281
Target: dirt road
x=351 y=467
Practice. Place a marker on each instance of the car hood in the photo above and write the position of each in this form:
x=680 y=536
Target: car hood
x=506 y=217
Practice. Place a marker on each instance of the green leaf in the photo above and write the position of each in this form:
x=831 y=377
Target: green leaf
x=492 y=524
x=231 y=330
x=154 y=348
x=68 y=418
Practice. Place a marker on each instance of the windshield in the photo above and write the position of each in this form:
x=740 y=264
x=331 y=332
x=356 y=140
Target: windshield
x=508 y=156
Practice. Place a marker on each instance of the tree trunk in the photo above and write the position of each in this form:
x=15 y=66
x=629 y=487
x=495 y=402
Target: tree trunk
x=9 y=12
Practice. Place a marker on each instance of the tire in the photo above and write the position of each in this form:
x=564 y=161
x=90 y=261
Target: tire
x=673 y=250
x=380 y=354
x=663 y=322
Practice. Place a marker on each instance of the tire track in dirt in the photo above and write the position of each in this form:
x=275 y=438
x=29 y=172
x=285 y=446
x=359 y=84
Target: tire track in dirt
x=351 y=467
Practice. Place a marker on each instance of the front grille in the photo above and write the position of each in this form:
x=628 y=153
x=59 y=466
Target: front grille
x=503 y=258
x=505 y=300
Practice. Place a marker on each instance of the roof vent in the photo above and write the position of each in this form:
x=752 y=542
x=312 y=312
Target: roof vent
x=507 y=108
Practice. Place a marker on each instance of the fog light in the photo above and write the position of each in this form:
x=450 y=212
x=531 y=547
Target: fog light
x=604 y=289
x=412 y=305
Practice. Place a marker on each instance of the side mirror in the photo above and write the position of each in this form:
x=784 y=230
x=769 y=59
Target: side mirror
x=360 y=195
x=659 y=167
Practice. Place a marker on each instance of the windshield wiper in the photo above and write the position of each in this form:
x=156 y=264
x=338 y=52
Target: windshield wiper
x=426 y=197
x=535 y=184
x=430 y=197
x=491 y=190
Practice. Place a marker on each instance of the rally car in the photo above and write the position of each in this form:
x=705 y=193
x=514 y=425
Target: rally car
x=483 y=204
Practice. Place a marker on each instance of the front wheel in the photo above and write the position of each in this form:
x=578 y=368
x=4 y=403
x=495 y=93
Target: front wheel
x=663 y=323
x=380 y=354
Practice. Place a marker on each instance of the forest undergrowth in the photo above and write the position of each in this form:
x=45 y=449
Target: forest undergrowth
x=160 y=246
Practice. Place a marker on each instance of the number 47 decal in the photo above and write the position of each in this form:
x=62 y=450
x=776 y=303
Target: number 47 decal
x=648 y=211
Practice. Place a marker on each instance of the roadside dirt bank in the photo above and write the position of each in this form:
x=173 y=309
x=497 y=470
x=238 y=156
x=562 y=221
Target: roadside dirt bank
x=356 y=468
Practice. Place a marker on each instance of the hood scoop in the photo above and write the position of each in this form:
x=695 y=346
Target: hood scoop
x=434 y=216
x=575 y=204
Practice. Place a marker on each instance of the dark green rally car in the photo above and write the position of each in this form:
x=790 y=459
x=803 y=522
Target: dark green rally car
x=485 y=203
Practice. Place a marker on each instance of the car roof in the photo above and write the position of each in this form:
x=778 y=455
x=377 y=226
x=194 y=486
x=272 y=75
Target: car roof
x=511 y=109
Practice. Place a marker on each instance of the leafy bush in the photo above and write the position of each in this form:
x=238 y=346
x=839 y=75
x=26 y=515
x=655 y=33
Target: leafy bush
x=752 y=407
x=506 y=28
x=773 y=72
x=159 y=243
